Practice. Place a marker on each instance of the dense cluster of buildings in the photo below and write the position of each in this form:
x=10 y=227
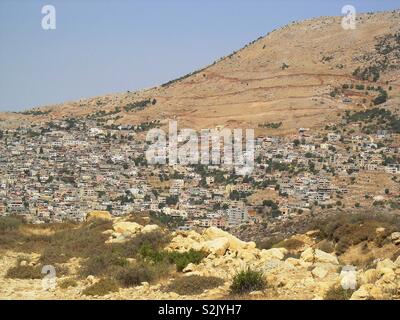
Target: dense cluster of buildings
x=65 y=169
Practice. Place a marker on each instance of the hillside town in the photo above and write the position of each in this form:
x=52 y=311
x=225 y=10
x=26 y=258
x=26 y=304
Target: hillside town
x=62 y=170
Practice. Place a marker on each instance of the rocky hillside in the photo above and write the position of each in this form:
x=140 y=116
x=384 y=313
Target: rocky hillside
x=118 y=258
x=287 y=76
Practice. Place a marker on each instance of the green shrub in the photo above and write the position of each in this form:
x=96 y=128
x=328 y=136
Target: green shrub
x=246 y=281
x=191 y=285
x=182 y=259
x=144 y=242
x=147 y=251
x=101 y=288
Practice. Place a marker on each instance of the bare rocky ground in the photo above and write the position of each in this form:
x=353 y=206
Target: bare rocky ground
x=297 y=270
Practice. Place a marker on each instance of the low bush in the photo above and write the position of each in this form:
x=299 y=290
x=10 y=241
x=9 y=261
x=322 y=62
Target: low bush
x=182 y=259
x=67 y=283
x=194 y=284
x=246 y=281
x=346 y=230
x=152 y=241
x=290 y=244
x=326 y=246
x=337 y=292
x=25 y=272
x=101 y=288
x=85 y=241
x=135 y=275
x=268 y=243
x=9 y=223
x=105 y=263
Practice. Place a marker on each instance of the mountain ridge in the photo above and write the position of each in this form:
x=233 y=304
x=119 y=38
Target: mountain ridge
x=285 y=76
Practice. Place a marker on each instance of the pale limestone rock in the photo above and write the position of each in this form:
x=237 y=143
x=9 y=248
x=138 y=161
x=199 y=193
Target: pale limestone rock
x=377 y=293
x=256 y=293
x=369 y=276
x=198 y=246
x=385 y=264
x=117 y=238
x=307 y=281
x=316 y=255
x=395 y=237
x=247 y=255
x=380 y=230
x=305 y=265
x=294 y=262
x=103 y=215
x=288 y=266
x=320 y=272
x=312 y=233
x=194 y=273
x=273 y=265
x=190 y=267
x=150 y=228
x=274 y=253
x=217 y=246
x=194 y=235
x=388 y=278
x=91 y=279
x=323 y=257
x=234 y=243
x=23 y=263
x=307 y=255
x=363 y=293
x=126 y=227
x=397 y=262
x=131 y=260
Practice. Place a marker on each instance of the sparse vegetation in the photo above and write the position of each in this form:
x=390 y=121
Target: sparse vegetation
x=180 y=259
x=290 y=244
x=270 y=125
x=190 y=285
x=346 y=230
x=67 y=283
x=246 y=281
x=139 y=105
x=25 y=272
x=375 y=118
x=101 y=288
x=9 y=223
x=141 y=272
x=35 y=112
x=336 y=292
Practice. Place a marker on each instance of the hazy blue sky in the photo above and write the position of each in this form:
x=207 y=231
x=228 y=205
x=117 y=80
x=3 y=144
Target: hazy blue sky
x=104 y=46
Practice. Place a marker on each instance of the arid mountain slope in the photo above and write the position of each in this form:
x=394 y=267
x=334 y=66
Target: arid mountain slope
x=286 y=76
